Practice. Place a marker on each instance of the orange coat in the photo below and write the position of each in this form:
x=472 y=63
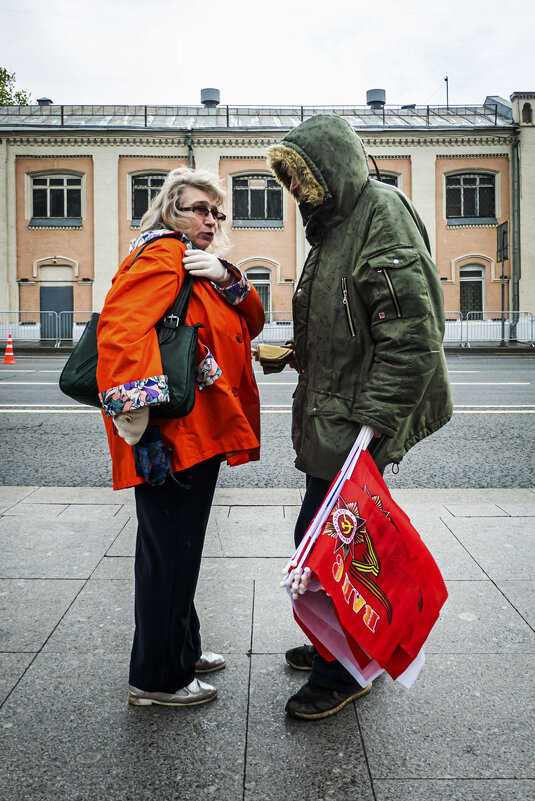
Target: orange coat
x=226 y=416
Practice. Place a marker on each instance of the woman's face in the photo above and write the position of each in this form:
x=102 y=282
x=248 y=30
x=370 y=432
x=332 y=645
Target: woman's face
x=199 y=229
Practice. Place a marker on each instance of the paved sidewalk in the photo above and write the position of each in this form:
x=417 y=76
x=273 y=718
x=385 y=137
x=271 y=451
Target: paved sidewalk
x=464 y=731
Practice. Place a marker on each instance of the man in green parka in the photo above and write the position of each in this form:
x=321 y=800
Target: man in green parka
x=368 y=329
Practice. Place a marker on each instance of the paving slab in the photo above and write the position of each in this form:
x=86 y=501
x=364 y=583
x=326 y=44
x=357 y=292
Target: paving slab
x=521 y=595
x=92 y=511
x=455 y=790
x=125 y=542
x=11 y=495
x=482 y=509
x=463 y=495
x=30 y=610
x=504 y=547
x=12 y=666
x=477 y=618
x=275 y=629
x=465 y=717
x=53 y=548
x=451 y=556
x=256 y=531
x=101 y=620
x=289 y=759
x=82 y=495
x=35 y=510
x=79 y=739
x=257 y=496
x=118 y=568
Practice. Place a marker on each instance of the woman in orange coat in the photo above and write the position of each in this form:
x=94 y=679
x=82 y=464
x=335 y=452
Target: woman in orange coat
x=173 y=509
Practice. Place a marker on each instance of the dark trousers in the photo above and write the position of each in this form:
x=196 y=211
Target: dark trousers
x=332 y=675
x=172 y=522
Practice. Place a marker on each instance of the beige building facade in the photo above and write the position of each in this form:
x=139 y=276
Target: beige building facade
x=75 y=181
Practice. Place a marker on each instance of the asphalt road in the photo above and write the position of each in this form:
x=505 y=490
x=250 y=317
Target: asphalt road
x=49 y=440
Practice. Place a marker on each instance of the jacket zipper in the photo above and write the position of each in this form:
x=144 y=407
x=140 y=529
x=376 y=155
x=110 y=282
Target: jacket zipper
x=392 y=292
x=347 y=308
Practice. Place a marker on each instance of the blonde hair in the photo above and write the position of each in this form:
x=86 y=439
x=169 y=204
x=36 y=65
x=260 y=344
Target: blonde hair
x=164 y=209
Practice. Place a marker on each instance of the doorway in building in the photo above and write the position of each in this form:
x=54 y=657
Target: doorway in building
x=56 y=299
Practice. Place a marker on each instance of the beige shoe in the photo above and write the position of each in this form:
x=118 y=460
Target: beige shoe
x=209 y=662
x=198 y=692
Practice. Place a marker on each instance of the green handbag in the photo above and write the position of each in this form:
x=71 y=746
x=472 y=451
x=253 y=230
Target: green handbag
x=178 y=351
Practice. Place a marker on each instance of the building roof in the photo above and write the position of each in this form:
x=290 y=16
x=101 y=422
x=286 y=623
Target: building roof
x=494 y=113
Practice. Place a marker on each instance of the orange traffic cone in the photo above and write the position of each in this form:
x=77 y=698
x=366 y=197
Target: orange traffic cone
x=9 y=356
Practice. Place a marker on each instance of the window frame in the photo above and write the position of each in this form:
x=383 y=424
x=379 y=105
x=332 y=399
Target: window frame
x=387 y=174
x=262 y=282
x=257 y=222
x=479 y=279
x=54 y=221
x=156 y=173
x=455 y=221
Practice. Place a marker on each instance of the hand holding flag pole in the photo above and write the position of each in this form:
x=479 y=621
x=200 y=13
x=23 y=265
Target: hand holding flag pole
x=295 y=575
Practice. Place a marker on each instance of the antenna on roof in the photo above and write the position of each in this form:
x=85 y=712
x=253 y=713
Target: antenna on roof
x=447 y=92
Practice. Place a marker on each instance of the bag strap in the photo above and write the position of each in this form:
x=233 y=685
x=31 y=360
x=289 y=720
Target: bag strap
x=176 y=315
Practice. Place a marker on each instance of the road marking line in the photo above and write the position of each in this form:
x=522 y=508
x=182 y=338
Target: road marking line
x=28 y=384
x=83 y=410
x=494 y=411
x=490 y=384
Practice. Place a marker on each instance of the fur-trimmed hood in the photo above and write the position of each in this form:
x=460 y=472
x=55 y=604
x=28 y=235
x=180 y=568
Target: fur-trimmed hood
x=328 y=159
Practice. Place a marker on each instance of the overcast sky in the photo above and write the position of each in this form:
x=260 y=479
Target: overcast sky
x=276 y=52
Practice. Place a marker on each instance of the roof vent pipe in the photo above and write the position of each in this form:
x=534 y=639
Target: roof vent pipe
x=210 y=97
x=44 y=101
x=376 y=98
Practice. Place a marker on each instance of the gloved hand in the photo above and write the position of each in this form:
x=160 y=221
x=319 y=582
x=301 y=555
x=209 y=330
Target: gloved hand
x=205 y=265
x=131 y=425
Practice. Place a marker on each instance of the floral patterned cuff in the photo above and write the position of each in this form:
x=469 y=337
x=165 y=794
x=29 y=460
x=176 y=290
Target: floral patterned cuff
x=234 y=293
x=208 y=371
x=134 y=395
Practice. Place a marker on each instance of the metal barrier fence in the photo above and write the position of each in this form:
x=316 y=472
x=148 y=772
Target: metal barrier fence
x=475 y=328
x=29 y=326
x=501 y=327
x=43 y=326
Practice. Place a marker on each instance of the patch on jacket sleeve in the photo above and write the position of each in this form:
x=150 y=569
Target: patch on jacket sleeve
x=237 y=292
x=134 y=395
x=208 y=371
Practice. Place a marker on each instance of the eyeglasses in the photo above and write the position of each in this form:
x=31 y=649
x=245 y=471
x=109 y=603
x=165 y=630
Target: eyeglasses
x=203 y=212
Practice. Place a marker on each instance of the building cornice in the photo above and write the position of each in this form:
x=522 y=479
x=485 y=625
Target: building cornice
x=259 y=139
x=452 y=140
x=473 y=155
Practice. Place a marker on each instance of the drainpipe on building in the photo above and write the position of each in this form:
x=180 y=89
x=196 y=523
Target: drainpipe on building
x=515 y=234
x=190 y=149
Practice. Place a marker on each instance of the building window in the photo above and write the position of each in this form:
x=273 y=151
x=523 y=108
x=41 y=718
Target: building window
x=56 y=201
x=527 y=114
x=471 y=282
x=470 y=197
x=144 y=190
x=260 y=278
x=256 y=202
x=385 y=178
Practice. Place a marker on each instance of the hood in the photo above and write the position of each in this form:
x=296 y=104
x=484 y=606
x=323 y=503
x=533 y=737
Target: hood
x=333 y=153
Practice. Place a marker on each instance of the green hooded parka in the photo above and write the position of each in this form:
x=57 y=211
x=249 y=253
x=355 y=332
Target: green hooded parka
x=368 y=308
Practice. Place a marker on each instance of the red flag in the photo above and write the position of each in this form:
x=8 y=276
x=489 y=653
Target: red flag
x=385 y=588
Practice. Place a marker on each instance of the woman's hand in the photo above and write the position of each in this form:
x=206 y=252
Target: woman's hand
x=131 y=425
x=205 y=265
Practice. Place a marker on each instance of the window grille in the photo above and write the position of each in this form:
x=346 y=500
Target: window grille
x=56 y=196
x=144 y=190
x=385 y=179
x=471 y=281
x=470 y=195
x=260 y=278
x=256 y=198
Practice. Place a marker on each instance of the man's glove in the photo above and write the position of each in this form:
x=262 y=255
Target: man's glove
x=131 y=425
x=205 y=265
